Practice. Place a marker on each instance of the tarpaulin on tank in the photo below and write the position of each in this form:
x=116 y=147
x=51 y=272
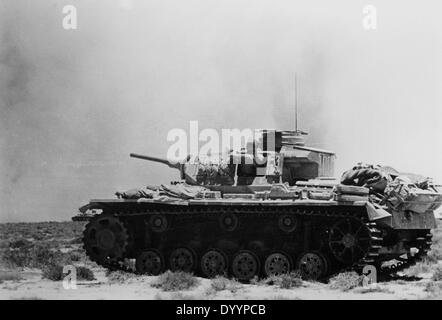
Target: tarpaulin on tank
x=373 y=177
x=179 y=191
x=399 y=191
x=137 y=193
x=402 y=194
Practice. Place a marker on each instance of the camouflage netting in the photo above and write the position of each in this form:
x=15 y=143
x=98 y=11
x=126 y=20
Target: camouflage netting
x=399 y=191
x=221 y=172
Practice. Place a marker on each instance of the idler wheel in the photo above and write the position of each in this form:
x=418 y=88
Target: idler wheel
x=228 y=221
x=277 y=264
x=349 y=240
x=105 y=239
x=182 y=259
x=245 y=265
x=158 y=223
x=312 y=265
x=213 y=263
x=287 y=223
x=149 y=262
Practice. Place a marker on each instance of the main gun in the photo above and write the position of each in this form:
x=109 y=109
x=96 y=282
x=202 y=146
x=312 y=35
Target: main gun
x=160 y=160
x=180 y=166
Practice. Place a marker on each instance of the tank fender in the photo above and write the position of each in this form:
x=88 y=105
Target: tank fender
x=89 y=206
x=376 y=212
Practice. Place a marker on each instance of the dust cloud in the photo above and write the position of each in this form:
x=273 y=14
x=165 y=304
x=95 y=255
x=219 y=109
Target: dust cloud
x=75 y=103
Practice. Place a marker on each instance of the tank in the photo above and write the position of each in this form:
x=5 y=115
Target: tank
x=264 y=210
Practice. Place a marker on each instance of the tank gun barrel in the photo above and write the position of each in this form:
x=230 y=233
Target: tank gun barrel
x=155 y=159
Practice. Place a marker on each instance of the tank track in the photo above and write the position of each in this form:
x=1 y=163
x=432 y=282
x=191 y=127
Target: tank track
x=139 y=226
x=404 y=263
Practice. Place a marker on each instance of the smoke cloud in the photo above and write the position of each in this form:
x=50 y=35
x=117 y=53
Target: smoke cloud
x=75 y=103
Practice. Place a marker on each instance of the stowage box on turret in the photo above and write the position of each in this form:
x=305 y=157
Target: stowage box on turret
x=265 y=210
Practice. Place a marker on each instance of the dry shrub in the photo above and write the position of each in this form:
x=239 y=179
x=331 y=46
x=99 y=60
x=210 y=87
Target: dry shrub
x=54 y=272
x=434 y=288
x=76 y=256
x=437 y=275
x=85 y=274
x=435 y=253
x=221 y=283
x=346 y=281
x=284 y=281
x=424 y=266
x=181 y=296
x=20 y=243
x=119 y=276
x=33 y=256
x=175 y=281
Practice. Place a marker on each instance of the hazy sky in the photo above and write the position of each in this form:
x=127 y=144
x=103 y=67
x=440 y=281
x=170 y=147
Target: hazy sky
x=74 y=104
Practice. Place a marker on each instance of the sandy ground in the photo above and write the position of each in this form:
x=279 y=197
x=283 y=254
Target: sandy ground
x=32 y=286
x=415 y=283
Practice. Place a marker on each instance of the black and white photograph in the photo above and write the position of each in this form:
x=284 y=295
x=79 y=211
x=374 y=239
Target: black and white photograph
x=220 y=151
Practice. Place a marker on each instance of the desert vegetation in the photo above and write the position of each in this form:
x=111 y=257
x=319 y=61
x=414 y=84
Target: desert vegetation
x=221 y=283
x=283 y=281
x=47 y=246
x=175 y=281
x=346 y=281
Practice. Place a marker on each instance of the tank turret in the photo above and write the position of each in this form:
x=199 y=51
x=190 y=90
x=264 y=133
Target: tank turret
x=271 y=157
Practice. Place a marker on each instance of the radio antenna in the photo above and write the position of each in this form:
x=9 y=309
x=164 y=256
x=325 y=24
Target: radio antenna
x=296 y=103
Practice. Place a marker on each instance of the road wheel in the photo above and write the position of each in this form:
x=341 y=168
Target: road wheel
x=312 y=265
x=149 y=262
x=245 y=265
x=213 y=263
x=277 y=264
x=182 y=259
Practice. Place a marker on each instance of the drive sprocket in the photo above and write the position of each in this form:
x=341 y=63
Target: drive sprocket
x=105 y=240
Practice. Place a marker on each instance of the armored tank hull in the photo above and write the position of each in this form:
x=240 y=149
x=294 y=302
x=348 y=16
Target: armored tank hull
x=245 y=238
x=266 y=210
